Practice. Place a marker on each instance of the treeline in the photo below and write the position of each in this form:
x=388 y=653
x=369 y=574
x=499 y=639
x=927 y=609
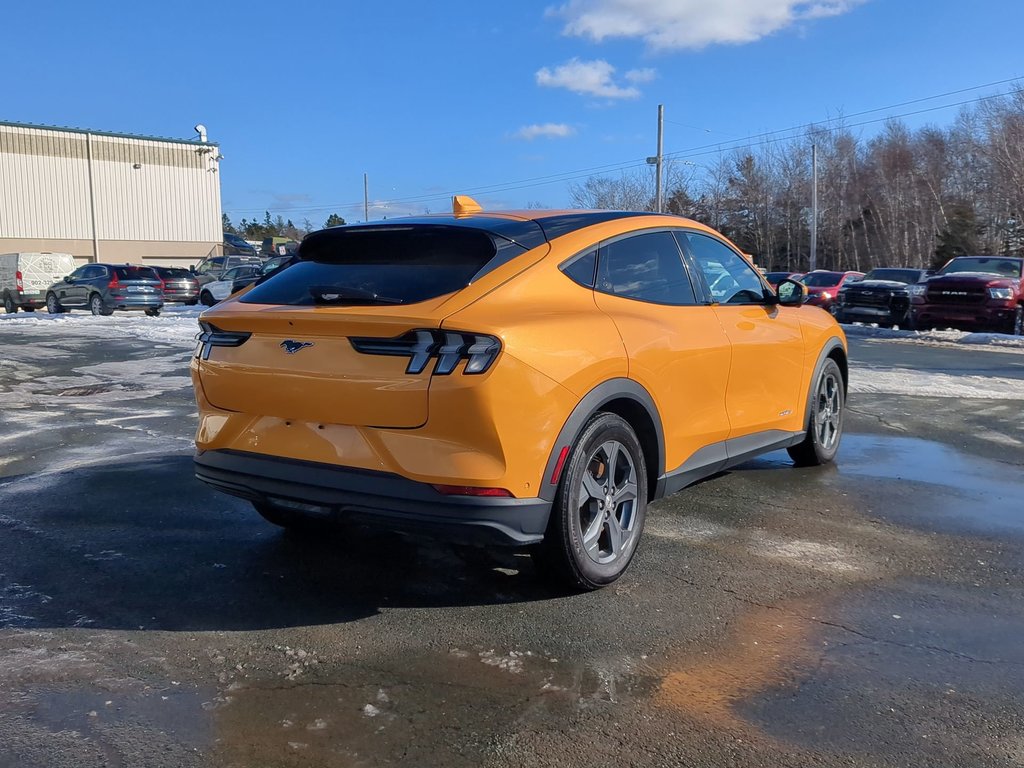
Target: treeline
x=275 y=227
x=904 y=197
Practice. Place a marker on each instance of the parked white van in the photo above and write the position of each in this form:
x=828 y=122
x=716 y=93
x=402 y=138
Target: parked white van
x=24 y=278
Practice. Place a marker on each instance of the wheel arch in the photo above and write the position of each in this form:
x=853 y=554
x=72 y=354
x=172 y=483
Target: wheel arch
x=627 y=399
x=833 y=349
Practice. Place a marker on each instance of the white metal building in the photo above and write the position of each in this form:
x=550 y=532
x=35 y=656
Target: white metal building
x=108 y=196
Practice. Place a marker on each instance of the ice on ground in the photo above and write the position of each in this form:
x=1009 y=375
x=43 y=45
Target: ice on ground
x=906 y=381
x=176 y=325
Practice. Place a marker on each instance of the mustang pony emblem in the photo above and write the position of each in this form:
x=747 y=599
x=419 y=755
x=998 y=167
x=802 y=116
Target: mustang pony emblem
x=291 y=346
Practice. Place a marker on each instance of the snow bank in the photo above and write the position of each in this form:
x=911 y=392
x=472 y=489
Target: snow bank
x=177 y=325
x=947 y=337
x=865 y=379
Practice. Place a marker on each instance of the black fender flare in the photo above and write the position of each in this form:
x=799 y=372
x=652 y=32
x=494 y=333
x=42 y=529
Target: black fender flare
x=826 y=351
x=591 y=403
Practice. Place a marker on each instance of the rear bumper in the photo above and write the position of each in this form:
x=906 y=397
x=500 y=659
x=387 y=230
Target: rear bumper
x=34 y=300
x=379 y=499
x=144 y=301
x=181 y=296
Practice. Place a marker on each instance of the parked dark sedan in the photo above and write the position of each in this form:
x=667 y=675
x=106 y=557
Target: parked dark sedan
x=102 y=288
x=179 y=285
x=882 y=297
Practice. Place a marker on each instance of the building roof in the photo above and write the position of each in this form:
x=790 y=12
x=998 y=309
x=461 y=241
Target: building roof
x=140 y=137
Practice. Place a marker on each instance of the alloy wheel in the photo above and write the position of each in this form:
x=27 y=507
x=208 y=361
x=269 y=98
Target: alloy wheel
x=828 y=413
x=607 y=502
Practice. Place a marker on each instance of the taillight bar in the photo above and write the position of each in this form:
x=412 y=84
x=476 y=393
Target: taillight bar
x=448 y=347
x=19 y=282
x=211 y=336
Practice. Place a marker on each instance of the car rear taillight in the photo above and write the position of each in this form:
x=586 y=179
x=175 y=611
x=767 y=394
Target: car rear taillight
x=212 y=336
x=114 y=285
x=448 y=347
x=19 y=282
x=163 y=285
x=470 y=490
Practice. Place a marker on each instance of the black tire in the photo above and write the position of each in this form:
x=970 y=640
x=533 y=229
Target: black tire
x=1018 y=321
x=97 y=307
x=591 y=539
x=825 y=421
x=155 y=312
x=52 y=305
x=191 y=302
x=9 y=306
x=207 y=298
x=839 y=316
x=28 y=309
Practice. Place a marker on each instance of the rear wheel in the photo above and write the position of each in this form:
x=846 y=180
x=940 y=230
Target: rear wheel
x=28 y=309
x=599 y=512
x=9 y=306
x=1018 y=321
x=52 y=305
x=826 y=419
x=97 y=306
x=191 y=302
x=153 y=312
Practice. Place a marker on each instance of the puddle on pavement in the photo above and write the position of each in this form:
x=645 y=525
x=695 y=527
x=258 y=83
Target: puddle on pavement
x=973 y=494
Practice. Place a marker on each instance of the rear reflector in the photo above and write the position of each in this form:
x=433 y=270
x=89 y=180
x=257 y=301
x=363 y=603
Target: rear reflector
x=19 y=282
x=469 y=490
x=559 y=464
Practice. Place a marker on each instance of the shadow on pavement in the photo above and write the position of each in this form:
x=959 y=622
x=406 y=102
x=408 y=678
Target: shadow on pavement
x=144 y=545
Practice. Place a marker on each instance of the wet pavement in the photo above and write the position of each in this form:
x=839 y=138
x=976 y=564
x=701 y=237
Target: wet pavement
x=869 y=613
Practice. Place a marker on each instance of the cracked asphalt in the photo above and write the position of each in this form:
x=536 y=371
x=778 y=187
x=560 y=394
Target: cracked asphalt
x=863 y=614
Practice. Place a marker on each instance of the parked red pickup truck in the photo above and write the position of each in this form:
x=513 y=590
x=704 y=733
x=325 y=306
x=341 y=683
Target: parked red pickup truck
x=980 y=293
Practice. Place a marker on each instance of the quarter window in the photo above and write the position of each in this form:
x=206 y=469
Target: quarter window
x=730 y=278
x=645 y=267
x=582 y=269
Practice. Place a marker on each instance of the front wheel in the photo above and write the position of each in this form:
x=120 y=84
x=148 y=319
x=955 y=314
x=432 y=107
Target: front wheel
x=207 y=298
x=1018 y=321
x=599 y=511
x=9 y=306
x=825 y=428
x=52 y=305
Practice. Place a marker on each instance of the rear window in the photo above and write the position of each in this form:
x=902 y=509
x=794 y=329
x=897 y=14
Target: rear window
x=821 y=279
x=174 y=272
x=383 y=265
x=136 y=273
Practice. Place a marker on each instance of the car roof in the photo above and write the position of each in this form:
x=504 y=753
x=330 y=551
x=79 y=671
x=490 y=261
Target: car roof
x=528 y=228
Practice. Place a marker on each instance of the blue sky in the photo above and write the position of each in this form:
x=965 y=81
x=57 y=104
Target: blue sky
x=493 y=98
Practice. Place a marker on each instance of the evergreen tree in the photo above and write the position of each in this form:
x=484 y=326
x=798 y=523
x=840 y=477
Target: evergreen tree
x=334 y=220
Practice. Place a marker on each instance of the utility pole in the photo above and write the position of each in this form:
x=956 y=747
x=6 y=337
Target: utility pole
x=366 y=199
x=814 y=207
x=658 y=160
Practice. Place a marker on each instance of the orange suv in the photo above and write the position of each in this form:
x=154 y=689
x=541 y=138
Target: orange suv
x=530 y=378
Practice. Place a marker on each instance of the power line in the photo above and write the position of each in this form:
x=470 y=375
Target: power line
x=699 y=151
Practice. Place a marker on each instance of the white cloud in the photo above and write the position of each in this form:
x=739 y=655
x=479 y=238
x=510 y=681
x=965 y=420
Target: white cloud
x=545 y=130
x=641 y=75
x=593 y=78
x=672 y=24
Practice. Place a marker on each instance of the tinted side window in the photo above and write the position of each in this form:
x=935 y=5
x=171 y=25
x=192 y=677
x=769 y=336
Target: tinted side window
x=730 y=278
x=582 y=269
x=79 y=273
x=94 y=273
x=646 y=267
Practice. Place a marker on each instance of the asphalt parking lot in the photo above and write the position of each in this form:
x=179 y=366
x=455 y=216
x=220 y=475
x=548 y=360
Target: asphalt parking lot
x=868 y=613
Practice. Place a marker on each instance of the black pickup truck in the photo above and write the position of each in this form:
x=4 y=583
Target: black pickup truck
x=882 y=296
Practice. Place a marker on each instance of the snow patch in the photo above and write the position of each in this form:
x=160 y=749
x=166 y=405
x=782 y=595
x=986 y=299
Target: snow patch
x=1002 y=341
x=906 y=381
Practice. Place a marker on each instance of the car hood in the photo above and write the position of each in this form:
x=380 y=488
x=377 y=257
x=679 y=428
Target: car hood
x=973 y=277
x=891 y=284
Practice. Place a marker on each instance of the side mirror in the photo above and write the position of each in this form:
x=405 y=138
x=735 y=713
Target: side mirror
x=192 y=268
x=67 y=278
x=791 y=293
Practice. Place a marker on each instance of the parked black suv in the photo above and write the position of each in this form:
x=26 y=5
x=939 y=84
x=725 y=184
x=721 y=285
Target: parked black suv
x=102 y=288
x=882 y=297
